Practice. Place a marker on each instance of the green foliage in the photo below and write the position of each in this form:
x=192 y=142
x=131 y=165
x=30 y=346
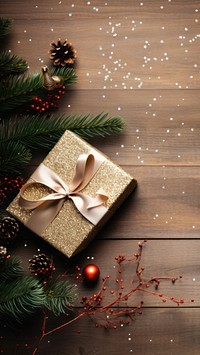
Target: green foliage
x=60 y=296
x=19 y=90
x=13 y=157
x=11 y=269
x=89 y=126
x=17 y=135
x=20 y=297
x=5 y=26
x=11 y=64
x=68 y=74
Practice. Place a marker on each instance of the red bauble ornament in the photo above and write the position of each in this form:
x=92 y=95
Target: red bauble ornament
x=91 y=273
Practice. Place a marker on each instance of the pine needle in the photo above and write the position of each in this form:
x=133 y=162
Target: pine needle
x=60 y=297
x=19 y=90
x=20 y=298
x=11 y=64
x=11 y=269
x=18 y=135
x=5 y=26
x=14 y=156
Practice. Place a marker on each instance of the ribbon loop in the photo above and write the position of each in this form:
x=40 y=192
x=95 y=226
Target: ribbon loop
x=47 y=207
x=84 y=172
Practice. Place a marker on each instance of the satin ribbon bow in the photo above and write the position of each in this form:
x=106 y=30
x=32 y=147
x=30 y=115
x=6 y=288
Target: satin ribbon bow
x=46 y=208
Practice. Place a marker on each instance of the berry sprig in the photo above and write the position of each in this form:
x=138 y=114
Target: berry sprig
x=115 y=313
x=8 y=186
x=93 y=305
x=48 y=103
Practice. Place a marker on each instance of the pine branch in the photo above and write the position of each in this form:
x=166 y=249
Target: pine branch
x=19 y=90
x=5 y=26
x=11 y=64
x=43 y=132
x=11 y=269
x=68 y=74
x=14 y=156
x=20 y=298
x=60 y=296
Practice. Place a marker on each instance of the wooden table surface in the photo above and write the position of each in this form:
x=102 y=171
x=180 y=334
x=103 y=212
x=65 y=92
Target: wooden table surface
x=140 y=60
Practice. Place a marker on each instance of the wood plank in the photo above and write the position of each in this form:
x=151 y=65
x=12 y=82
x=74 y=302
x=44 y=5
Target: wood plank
x=129 y=46
x=155 y=332
x=161 y=127
x=160 y=258
x=165 y=204
x=138 y=59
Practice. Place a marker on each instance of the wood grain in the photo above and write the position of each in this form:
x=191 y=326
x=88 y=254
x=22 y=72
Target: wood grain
x=140 y=60
x=160 y=259
x=156 y=43
x=161 y=127
x=156 y=331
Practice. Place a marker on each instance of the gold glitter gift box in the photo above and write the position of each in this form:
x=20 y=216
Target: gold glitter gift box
x=71 y=230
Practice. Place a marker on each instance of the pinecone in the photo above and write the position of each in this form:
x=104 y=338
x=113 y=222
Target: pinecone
x=42 y=266
x=62 y=53
x=3 y=254
x=9 y=228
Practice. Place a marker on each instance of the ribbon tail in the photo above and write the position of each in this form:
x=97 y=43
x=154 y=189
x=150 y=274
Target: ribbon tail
x=44 y=215
x=100 y=198
x=93 y=214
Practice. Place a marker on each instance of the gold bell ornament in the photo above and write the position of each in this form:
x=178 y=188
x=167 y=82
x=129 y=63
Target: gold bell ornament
x=51 y=82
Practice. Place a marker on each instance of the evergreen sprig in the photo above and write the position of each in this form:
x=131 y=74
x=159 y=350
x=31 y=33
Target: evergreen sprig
x=20 y=297
x=11 y=269
x=60 y=296
x=19 y=135
x=12 y=64
x=5 y=26
x=13 y=157
x=19 y=90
